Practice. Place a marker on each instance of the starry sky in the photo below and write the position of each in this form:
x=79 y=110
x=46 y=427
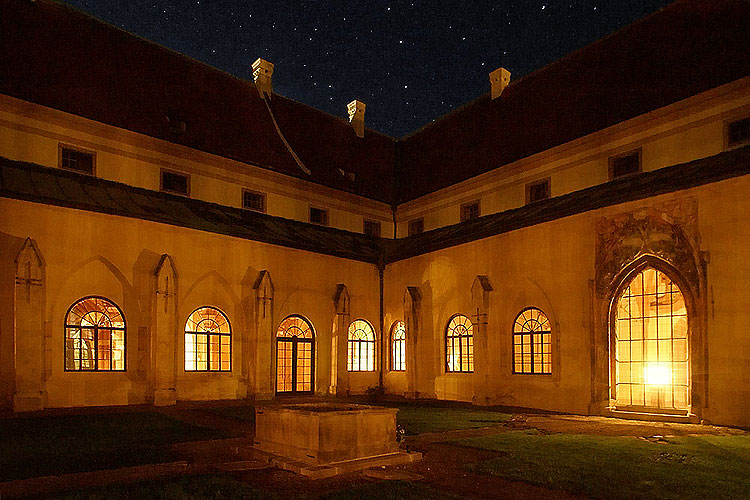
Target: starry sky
x=409 y=61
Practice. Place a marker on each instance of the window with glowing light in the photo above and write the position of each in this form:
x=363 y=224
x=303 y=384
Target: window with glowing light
x=361 y=347
x=295 y=349
x=532 y=342
x=459 y=344
x=650 y=344
x=208 y=341
x=398 y=346
x=94 y=336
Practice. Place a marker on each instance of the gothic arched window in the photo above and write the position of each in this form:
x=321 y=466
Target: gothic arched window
x=208 y=341
x=398 y=346
x=532 y=342
x=361 y=347
x=459 y=344
x=94 y=336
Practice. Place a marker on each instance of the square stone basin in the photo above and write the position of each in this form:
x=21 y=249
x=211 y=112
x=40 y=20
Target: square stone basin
x=322 y=433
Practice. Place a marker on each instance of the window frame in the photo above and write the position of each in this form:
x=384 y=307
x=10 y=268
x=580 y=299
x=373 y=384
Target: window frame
x=727 y=123
x=174 y=172
x=96 y=368
x=530 y=185
x=465 y=206
x=208 y=343
x=612 y=159
x=374 y=223
x=531 y=334
x=262 y=197
x=401 y=348
x=62 y=146
x=412 y=222
x=295 y=340
x=369 y=343
x=470 y=344
x=326 y=222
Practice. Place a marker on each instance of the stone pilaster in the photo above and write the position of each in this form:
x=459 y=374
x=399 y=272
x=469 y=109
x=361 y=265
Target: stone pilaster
x=29 y=329
x=264 y=365
x=340 y=341
x=165 y=356
x=413 y=324
x=480 y=301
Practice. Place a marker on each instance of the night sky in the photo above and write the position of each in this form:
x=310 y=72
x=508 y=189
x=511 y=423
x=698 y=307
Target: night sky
x=410 y=62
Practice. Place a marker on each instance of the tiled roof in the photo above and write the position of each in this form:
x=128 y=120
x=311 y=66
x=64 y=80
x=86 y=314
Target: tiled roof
x=52 y=186
x=686 y=48
x=716 y=168
x=58 y=57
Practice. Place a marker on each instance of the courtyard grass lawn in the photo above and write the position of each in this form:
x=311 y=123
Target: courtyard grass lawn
x=692 y=467
x=52 y=445
x=218 y=487
x=418 y=419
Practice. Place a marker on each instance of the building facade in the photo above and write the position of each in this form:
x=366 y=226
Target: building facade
x=571 y=241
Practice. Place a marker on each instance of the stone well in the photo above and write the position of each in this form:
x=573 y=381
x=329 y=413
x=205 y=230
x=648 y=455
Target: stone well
x=322 y=433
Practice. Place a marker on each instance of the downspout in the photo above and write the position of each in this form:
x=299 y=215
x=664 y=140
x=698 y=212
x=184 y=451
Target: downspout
x=381 y=271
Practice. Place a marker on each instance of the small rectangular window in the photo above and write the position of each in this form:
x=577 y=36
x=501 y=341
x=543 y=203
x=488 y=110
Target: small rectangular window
x=175 y=183
x=470 y=210
x=416 y=226
x=536 y=191
x=372 y=228
x=739 y=132
x=76 y=160
x=629 y=163
x=319 y=216
x=254 y=201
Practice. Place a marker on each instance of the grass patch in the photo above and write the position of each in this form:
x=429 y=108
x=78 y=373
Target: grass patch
x=41 y=446
x=694 y=467
x=244 y=413
x=218 y=487
x=416 y=419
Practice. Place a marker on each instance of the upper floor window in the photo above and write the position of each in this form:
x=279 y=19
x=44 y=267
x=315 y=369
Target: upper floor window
x=536 y=191
x=361 y=347
x=532 y=342
x=76 y=159
x=738 y=132
x=372 y=228
x=470 y=210
x=628 y=163
x=459 y=344
x=416 y=226
x=319 y=216
x=253 y=200
x=174 y=182
x=94 y=336
x=398 y=346
x=208 y=341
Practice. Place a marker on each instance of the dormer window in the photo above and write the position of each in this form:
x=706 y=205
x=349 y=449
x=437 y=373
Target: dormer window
x=626 y=164
x=537 y=191
x=173 y=182
x=738 y=132
x=470 y=211
x=253 y=200
x=319 y=216
x=372 y=228
x=416 y=226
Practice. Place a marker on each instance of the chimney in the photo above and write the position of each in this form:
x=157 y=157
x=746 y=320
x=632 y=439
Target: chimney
x=499 y=79
x=356 y=111
x=262 y=71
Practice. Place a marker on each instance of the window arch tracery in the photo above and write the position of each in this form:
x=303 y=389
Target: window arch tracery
x=361 y=339
x=459 y=344
x=208 y=341
x=532 y=342
x=94 y=336
x=398 y=346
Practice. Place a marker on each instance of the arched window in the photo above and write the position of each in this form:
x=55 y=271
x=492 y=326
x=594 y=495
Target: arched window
x=651 y=354
x=295 y=346
x=459 y=344
x=361 y=347
x=208 y=341
x=398 y=346
x=94 y=336
x=532 y=342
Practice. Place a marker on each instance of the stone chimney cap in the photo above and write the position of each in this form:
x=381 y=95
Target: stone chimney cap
x=262 y=73
x=499 y=79
x=356 y=110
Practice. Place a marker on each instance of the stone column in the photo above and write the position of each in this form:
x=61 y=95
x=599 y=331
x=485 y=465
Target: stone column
x=340 y=341
x=29 y=329
x=264 y=359
x=480 y=301
x=165 y=356
x=413 y=324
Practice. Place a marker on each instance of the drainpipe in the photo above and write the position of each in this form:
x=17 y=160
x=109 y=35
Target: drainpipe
x=381 y=270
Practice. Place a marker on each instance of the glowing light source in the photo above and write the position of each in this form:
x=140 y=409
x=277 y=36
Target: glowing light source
x=657 y=374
